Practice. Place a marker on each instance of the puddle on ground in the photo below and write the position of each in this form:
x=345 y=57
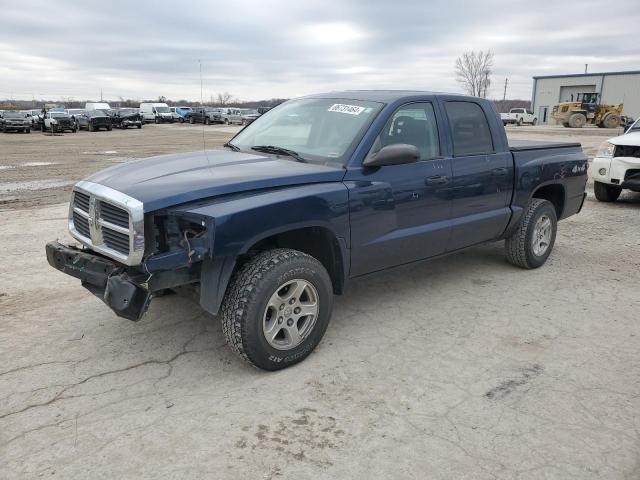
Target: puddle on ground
x=6 y=187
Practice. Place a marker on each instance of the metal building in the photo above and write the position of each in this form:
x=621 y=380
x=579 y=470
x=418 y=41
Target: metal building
x=613 y=87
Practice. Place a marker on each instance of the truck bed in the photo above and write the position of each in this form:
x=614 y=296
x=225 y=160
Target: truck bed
x=524 y=145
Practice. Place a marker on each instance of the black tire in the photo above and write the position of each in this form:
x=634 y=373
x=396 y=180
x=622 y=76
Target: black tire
x=520 y=122
x=191 y=120
x=577 y=120
x=605 y=192
x=206 y=121
x=28 y=130
x=139 y=126
x=535 y=122
x=156 y=120
x=519 y=246
x=226 y=121
x=248 y=294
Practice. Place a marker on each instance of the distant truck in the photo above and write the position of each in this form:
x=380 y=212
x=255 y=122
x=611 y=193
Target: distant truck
x=519 y=116
x=97 y=106
x=322 y=190
x=15 y=121
x=616 y=165
x=156 y=112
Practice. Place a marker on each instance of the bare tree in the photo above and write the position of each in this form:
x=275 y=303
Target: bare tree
x=224 y=99
x=473 y=71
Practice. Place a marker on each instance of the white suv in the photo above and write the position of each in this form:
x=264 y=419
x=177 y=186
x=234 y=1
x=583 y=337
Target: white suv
x=617 y=165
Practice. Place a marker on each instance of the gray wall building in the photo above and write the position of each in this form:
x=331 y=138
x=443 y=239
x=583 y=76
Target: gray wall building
x=613 y=87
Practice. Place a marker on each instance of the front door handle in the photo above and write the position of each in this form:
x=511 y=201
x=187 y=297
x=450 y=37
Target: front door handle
x=437 y=180
x=500 y=172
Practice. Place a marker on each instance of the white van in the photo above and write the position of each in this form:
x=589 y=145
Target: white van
x=97 y=106
x=156 y=112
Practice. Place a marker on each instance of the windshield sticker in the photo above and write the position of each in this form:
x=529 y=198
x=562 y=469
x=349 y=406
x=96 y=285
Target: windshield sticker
x=350 y=109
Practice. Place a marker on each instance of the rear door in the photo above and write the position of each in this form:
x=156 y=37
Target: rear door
x=482 y=175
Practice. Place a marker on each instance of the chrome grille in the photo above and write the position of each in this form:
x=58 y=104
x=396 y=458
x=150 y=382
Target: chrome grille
x=116 y=240
x=108 y=221
x=82 y=225
x=114 y=215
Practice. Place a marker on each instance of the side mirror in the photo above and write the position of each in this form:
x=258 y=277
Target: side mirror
x=397 y=154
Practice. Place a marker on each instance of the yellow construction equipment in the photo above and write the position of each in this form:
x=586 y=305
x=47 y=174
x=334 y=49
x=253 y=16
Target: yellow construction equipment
x=587 y=110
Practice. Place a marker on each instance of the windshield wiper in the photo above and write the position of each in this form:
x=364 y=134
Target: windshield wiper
x=276 y=150
x=233 y=147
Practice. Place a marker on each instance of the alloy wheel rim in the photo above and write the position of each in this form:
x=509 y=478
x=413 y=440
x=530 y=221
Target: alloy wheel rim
x=542 y=235
x=290 y=314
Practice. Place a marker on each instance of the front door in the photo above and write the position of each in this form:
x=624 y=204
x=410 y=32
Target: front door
x=401 y=213
x=482 y=177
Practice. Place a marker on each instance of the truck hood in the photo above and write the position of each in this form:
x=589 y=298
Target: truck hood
x=628 y=139
x=168 y=180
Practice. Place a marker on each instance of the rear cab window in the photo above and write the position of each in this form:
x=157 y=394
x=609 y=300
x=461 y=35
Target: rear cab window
x=470 y=132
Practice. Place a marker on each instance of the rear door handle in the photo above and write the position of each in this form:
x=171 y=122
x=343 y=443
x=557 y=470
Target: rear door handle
x=500 y=172
x=437 y=180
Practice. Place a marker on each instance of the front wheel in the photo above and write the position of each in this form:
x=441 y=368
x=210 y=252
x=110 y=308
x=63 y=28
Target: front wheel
x=531 y=244
x=277 y=308
x=605 y=192
x=535 y=122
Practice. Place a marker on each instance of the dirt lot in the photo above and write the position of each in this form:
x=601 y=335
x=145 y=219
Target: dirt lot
x=464 y=367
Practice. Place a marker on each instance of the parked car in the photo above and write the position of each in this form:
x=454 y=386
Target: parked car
x=616 y=165
x=519 y=116
x=11 y=121
x=206 y=115
x=182 y=113
x=72 y=112
x=58 y=122
x=230 y=115
x=248 y=115
x=125 y=118
x=97 y=106
x=94 y=120
x=156 y=113
x=322 y=190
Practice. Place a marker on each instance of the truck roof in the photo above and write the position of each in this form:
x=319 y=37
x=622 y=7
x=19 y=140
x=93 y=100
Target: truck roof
x=384 y=96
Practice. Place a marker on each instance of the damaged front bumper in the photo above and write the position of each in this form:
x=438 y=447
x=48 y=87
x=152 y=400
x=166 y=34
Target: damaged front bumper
x=126 y=293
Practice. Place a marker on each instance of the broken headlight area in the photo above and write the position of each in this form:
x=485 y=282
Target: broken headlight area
x=177 y=241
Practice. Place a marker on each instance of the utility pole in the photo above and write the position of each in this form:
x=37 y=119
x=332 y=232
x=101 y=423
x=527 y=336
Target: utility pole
x=101 y=95
x=506 y=83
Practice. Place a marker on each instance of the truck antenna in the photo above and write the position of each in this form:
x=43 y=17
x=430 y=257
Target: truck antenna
x=204 y=142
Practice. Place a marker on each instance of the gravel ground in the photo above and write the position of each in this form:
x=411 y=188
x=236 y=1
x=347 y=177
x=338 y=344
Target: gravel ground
x=463 y=367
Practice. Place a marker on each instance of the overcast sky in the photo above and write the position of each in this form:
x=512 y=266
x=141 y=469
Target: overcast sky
x=264 y=49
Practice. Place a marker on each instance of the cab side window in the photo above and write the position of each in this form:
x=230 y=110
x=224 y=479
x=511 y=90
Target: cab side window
x=469 y=128
x=413 y=124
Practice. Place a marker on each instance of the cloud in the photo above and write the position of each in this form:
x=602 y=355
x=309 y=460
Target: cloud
x=283 y=48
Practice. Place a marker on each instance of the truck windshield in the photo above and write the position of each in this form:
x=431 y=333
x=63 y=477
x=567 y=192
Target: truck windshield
x=317 y=129
x=162 y=109
x=14 y=115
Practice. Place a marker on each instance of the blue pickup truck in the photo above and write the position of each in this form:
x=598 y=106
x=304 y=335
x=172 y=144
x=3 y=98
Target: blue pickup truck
x=316 y=192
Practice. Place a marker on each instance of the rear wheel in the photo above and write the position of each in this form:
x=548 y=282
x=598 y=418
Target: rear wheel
x=28 y=130
x=605 y=192
x=206 y=121
x=535 y=122
x=577 y=120
x=520 y=122
x=531 y=244
x=226 y=121
x=191 y=120
x=277 y=308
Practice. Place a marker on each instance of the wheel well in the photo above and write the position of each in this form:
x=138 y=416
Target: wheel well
x=554 y=194
x=318 y=242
